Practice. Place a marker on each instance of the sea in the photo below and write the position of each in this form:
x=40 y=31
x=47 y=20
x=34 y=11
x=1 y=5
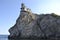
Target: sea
x=3 y=37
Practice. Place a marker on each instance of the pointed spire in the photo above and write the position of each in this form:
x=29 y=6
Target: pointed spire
x=22 y=5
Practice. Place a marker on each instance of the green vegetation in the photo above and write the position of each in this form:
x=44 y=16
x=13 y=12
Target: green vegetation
x=54 y=15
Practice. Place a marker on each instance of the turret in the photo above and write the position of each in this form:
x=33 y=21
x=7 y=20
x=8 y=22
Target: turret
x=23 y=7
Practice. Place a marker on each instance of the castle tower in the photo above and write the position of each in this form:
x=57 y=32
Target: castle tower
x=23 y=7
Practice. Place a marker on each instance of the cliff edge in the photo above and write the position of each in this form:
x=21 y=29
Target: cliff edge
x=32 y=25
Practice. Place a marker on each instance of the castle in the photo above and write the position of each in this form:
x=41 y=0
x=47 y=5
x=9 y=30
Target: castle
x=24 y=8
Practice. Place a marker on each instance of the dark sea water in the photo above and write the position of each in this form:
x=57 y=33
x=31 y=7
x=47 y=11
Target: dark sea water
x=3 y=37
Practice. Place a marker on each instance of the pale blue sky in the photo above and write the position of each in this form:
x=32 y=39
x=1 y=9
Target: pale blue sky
x=10 y=10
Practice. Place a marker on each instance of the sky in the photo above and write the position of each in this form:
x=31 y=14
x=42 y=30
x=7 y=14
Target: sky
x=10 y=11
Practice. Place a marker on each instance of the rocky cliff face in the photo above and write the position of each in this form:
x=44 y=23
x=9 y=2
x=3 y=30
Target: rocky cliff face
x=33 y=25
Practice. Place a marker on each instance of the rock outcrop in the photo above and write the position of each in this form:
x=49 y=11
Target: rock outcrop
x=33 y=25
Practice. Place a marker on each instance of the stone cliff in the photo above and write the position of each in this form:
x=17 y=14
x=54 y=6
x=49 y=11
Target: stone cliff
x=33 y=25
